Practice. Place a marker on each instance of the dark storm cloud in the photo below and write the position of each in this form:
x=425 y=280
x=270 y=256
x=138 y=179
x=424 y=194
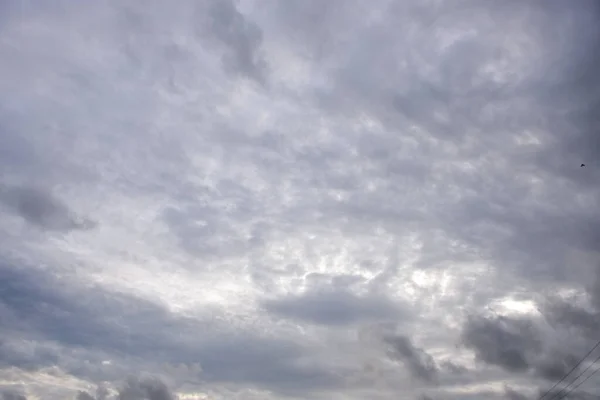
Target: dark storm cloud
x=563 y=313
x=420 y=364
x=555 y=366
x=333 y=307
x=42 y=208
x=40 y=307
x=506 y=342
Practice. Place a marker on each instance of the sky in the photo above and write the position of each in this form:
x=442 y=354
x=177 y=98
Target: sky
x=298 y=199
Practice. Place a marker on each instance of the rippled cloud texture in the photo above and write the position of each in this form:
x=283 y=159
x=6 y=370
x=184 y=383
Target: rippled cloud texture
x=272 y=199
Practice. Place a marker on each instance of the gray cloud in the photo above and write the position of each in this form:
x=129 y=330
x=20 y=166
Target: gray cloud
x=241 y=37
x=577 y=394
x=142 y=389
x=453 y=368
x=13 y=396
x=15 y=152
x=41 y=208
x=26 y=356
x=85 y=396
x=556 y=367
x=35 y=306
x=334 y=307
x=562 y=313
x=101 y=394
x=134 y=388
x=440 y=93
x=420 y=364
x=505 y=342
x=201 y=232
x=512 y=394
x=425 y=152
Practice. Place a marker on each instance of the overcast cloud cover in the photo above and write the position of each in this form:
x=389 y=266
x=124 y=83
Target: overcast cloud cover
x=303 y=199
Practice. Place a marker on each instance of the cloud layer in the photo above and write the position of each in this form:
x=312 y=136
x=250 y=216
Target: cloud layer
x=298 y=199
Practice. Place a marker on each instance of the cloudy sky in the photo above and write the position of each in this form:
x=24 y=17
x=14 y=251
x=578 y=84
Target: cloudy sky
x=298 y=199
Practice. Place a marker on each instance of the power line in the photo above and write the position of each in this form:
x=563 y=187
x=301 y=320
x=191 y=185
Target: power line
x=571 y=371
x=583 y=381
x=557 y=395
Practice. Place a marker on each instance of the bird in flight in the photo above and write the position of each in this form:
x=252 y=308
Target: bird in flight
x=583 y=165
